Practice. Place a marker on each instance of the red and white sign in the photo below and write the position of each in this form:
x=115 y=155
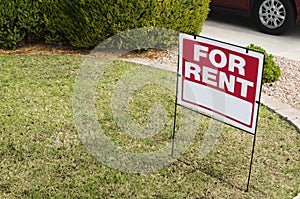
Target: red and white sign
x=220 y=79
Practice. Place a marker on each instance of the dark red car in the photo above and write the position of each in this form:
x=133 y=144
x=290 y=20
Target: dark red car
x=271 y=16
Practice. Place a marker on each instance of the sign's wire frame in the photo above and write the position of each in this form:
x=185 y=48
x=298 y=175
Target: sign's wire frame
x=176 y=104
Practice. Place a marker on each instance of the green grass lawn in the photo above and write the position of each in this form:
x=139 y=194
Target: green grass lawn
x=41 y=155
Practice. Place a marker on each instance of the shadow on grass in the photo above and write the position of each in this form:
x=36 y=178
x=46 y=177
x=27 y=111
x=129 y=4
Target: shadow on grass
x=206 y=170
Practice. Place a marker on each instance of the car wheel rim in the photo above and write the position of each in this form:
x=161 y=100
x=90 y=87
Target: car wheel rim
x=272 y=14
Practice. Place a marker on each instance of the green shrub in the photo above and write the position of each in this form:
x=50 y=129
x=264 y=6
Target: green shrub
x=85 y=23
x=20 y=19
x=271 y=71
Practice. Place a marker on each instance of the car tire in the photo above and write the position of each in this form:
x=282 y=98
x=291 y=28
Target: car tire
x=274 y=16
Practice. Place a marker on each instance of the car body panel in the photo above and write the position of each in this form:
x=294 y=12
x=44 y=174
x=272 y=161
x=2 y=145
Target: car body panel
x=246 y=5
x=297 y=2
x=242 y=4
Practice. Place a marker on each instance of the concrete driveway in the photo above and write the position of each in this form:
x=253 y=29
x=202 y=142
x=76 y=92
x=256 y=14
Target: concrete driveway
x=236 y=28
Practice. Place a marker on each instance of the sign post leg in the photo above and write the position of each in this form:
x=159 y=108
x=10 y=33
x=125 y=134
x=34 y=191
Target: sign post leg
x=254 y=139
x=174 y=127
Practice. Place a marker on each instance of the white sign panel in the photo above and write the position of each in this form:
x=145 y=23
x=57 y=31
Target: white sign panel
x=221 y=80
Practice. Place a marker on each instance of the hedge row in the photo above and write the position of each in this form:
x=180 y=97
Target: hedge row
x=85 y=23
x=20 y=20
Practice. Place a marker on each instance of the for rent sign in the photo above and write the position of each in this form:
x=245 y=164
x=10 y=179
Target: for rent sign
x=221 y=80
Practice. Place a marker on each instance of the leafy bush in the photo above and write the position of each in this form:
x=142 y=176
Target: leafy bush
x=85 y=23
x=20 y=19
x=271 y=71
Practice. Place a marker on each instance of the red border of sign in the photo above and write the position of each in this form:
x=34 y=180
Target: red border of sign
x=251 y=128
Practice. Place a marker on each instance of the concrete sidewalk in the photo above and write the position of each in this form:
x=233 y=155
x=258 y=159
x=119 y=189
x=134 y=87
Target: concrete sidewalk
x=235 y=28
x=286 y=111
